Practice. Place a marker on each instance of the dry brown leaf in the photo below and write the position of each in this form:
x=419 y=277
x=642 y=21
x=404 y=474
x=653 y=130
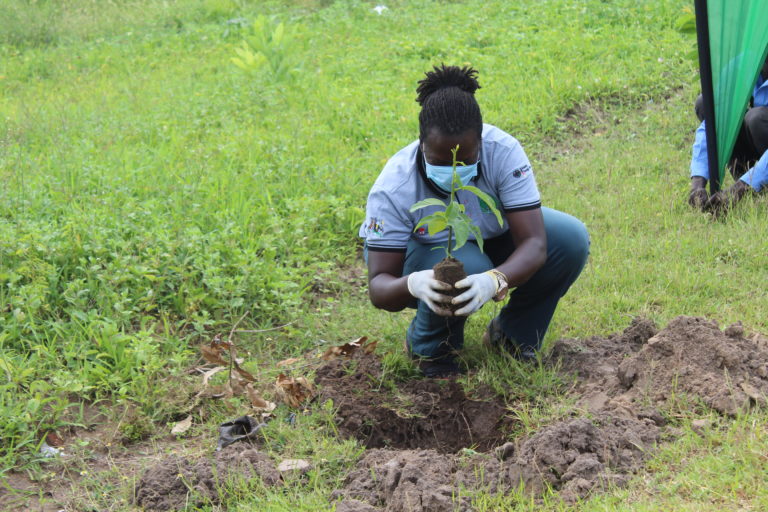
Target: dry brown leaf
x=369 y=348
x=288 y=362
x=345 y=350
x=53 y=439
x=294 y=391
x=182 y=426
x=258 y=403
x=237 y=385
x=244 y=373
x=212 y=355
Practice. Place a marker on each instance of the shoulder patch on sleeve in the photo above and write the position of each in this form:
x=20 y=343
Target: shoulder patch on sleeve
x=375 y=227
x=521 y=171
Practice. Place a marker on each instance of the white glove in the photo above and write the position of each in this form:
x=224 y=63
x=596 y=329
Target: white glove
x=482 y=288
x=425 y=287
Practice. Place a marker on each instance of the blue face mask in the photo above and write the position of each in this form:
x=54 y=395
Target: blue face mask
x=442 y=175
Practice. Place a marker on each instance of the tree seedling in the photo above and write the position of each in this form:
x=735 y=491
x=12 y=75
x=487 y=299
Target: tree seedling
x=452 y=217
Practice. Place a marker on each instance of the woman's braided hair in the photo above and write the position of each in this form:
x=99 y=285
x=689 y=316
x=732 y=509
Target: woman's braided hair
x=447 y=99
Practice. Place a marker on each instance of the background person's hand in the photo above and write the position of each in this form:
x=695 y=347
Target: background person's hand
x=698 y=196
x=723 y=200
x=426 y=288
x=482 y=288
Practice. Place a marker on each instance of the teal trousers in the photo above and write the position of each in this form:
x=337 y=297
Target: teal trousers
x=525 y=317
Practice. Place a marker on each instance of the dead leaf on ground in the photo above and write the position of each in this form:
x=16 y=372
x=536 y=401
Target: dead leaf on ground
x=347 y=349
x=244 y=373
x=53 y=439
x=212 y=355
x=288 y=362
x=294 y=391
x=182 y=426
x=258 y=403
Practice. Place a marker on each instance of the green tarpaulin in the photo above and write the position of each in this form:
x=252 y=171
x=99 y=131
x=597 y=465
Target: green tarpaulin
x=732 y=48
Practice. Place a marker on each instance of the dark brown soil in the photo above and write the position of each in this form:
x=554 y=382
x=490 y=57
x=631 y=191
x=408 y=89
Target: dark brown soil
x=691 y=360
x=178 y=482
x=627 y=385
x=575 y=456
x=432 y=448
x=450 y=271
x=429 y=413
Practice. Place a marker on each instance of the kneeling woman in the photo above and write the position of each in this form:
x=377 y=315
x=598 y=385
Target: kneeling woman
x=537 y=253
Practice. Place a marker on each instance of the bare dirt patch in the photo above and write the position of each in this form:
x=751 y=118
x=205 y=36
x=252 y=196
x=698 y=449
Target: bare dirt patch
x=692 y=358
x=178 y=482
x=424 y=414
x=433 y=447
x=625 y=384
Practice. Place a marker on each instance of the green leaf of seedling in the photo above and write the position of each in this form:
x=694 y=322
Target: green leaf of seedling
x=461 y=231
x=436 y=226
x=427 y=202
x=430 y=219
x=451 y=213
x=435 y=222
x=478 y=235
x=488 y=200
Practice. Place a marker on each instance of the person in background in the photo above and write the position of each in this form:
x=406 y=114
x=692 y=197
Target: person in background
x=748 y=164
x=537 y=253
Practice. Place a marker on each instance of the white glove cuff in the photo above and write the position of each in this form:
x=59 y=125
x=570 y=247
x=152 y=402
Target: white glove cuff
x=408 y=282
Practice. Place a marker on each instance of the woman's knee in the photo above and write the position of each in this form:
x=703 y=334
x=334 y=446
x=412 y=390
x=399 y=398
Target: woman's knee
x=568 y=237
x=576 y=250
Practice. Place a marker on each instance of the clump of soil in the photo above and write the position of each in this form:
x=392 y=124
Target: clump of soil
x=691 y=356
x=409 y=480
x=178 y=482
x=423 y=414
x=623 y=383
x=575 y=456
x=450 y=271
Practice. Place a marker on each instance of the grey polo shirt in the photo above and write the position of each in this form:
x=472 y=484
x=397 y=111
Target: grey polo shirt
x=504 y=173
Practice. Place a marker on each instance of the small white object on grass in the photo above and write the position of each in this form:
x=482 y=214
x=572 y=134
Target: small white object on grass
x=380 y=8
x=47 y=450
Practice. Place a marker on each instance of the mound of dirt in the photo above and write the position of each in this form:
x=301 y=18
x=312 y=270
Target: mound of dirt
x=575 y=456
x=420 y=414
x=578 y=455
x=177 y=482
x=622 y=383
x=691 y=356
x=404 y=480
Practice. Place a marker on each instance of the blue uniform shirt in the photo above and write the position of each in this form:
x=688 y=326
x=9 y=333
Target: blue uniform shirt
x=504 y=173
x=756 y=177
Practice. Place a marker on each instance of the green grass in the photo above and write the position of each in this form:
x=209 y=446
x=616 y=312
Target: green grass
x=151 y=193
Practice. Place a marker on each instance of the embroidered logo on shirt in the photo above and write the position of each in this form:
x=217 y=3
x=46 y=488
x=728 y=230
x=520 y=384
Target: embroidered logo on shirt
x=521 y=171
x=376 y=227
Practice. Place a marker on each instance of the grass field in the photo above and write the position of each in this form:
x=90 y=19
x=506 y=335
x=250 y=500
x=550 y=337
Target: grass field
x=152 y=193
